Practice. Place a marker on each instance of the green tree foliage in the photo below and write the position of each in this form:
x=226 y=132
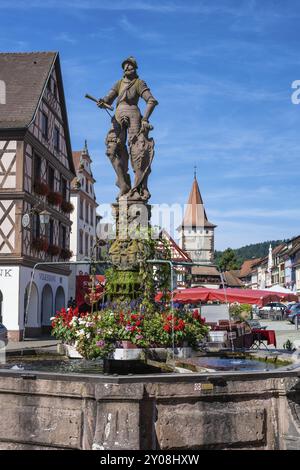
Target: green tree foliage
x=228 y=260
x=256 y=250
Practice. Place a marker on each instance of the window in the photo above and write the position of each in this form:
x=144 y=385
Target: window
x=86 y=185
x=91 y=216
x=86 y=212
x=51 y=178
x=81 y=242
x=56 y=138
x=63 y=185
x=81 y=209
x=63 y=236
x=92 y=246
x=45 y=125
x=86 y=245
x=36 y=226
x=37 y=168
x=51 y=232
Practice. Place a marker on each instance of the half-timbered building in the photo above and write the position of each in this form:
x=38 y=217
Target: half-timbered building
x=36 y=169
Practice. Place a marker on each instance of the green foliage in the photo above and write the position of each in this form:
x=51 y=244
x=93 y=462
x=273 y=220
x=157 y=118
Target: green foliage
x=288 y=345
x=240 y=311
x=228 y=260
x=256 y=250
x=96 y=335
x=147 y=280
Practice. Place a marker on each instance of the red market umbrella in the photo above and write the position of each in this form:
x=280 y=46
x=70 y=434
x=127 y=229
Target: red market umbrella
x=199 y=294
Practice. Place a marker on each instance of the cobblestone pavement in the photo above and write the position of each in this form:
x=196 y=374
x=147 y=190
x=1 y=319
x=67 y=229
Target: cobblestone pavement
x=284 y=330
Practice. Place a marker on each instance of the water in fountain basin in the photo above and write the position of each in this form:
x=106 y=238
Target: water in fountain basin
x=229 y=363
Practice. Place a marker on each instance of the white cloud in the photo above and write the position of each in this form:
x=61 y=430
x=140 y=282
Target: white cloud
x=65 y=37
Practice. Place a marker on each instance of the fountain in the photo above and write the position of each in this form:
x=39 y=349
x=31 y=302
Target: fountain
x=48 y=401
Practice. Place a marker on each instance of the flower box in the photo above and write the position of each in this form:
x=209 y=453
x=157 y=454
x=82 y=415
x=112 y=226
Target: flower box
x=67 y=207
x=66 y=254
x=72 y=352
x=54 y=198
x=128 y=354
x=40 y=244
x=128 y=345
x=53 y=250
x=41 y=188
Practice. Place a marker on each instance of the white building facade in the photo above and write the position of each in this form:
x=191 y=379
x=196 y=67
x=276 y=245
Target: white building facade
x=36 y=169
x=83 y=234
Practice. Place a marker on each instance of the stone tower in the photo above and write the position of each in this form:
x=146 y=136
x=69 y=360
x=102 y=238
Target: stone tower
x=196 y=233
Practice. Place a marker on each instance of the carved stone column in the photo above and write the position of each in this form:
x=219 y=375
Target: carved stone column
x=129 y=248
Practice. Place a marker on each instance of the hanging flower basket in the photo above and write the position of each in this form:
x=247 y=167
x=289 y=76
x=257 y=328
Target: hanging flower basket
x=67 y=207
x=40 y=244
x=54 y=198
x=66 y=254
x=53 y=250
x=41 y=188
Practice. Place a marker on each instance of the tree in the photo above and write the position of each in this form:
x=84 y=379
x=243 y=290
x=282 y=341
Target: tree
x=228 y=260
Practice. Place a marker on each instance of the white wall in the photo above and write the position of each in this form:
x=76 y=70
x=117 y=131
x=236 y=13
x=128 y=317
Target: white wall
x=214 y=313
x=9 y=286
x=41 y=278
x=74 y=231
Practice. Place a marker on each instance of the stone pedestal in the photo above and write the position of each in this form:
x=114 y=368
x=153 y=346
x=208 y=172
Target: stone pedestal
x=129 y=249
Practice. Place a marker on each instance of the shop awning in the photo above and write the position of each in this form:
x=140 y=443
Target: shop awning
x=229 y=295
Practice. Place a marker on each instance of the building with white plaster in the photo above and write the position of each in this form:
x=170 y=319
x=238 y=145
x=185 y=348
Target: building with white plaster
x=83 y=233
x=36 y=168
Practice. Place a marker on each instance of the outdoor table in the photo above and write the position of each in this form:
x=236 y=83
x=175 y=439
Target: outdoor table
x=261 y=336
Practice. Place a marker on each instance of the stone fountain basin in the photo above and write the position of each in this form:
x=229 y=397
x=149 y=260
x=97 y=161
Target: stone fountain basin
x=218 y=410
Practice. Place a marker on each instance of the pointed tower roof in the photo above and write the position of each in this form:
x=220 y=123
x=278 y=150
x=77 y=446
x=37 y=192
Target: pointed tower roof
x=195 y=215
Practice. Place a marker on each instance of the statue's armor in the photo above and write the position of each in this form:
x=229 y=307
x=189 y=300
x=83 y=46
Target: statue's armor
x=128 y=93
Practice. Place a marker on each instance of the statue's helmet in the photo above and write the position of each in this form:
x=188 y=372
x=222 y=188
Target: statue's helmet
x=130 y=60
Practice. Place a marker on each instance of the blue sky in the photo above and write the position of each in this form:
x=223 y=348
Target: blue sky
x=222 y=73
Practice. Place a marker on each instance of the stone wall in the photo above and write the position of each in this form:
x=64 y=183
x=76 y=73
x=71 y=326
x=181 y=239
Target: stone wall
x=53 y=411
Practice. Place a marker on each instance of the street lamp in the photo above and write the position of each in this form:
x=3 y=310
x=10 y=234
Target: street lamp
x=44 y=217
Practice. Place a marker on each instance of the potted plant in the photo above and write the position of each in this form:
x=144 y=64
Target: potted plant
x=53 y=250
x=41 y=188
x=40 y=244
x=67 y=207
x=54 y=198
x=66 y=254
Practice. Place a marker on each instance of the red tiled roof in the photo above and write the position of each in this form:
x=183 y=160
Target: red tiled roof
x=247 y=267
x=195 y=215
x=205 y=271
x=231 y=279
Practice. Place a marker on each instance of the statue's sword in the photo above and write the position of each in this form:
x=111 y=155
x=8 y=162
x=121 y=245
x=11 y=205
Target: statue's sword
x=104 y=105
